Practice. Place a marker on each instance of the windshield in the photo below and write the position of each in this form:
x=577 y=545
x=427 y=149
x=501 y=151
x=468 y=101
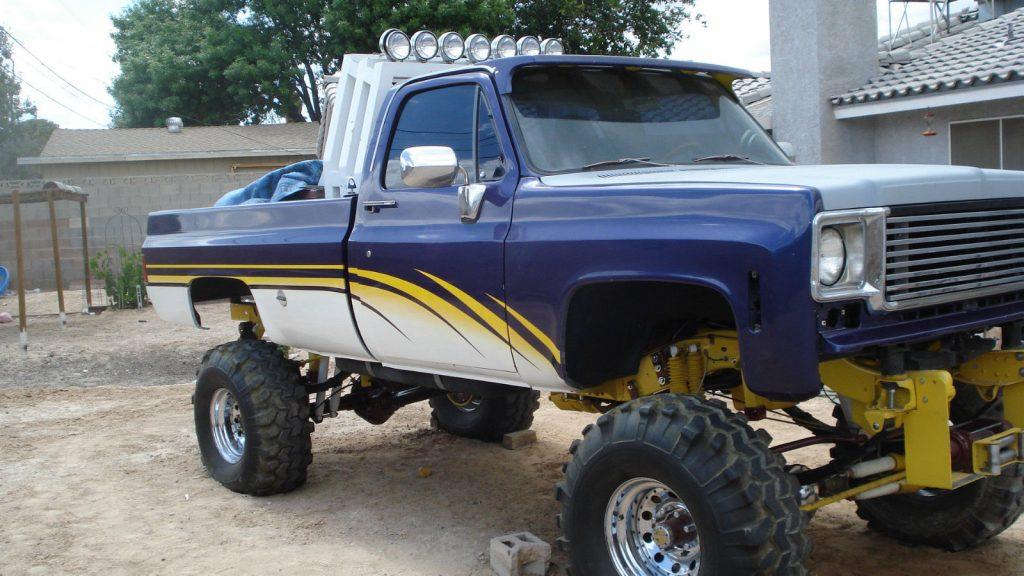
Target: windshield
x=575 y=118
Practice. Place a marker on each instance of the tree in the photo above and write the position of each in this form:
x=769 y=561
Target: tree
x=21 y=133
x=230 y=61
x=614 y=27
x=174 y=59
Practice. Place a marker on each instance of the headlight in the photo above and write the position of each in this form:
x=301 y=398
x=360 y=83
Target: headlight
x=452 y=46
x=831 y=256
x=395 y=44
x=503 y=46
x=528 y=46
x=848 y=251
x=424 y=45
x=478 y=48
x=552 y=46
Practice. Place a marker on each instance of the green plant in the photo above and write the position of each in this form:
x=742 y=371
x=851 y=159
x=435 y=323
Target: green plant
x=121 y=272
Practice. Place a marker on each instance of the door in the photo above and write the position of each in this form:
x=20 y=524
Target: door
x=427 y=287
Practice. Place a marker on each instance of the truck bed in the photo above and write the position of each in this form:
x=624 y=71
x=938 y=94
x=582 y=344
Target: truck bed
x=280 y=253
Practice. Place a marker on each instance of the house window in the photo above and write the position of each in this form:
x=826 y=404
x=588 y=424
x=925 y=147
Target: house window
x=997 y=143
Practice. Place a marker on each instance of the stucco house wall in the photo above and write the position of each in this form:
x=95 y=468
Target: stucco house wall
x=898 y=136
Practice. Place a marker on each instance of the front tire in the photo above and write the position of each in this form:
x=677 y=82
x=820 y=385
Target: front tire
x=485 y=418
x=252 y=418
x=674 y=485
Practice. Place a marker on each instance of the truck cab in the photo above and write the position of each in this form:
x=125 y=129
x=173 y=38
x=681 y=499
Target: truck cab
x=621 y=234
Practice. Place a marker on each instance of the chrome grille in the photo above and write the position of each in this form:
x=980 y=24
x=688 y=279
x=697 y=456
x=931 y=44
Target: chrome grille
x=945 y=255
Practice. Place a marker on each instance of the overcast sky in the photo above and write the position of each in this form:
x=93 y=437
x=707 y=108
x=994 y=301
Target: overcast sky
x=75 y=43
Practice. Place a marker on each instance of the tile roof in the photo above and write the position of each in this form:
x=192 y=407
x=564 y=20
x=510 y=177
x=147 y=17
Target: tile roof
x=750 y=90
x=988 y=53
x=893 y=51
x=128 y=144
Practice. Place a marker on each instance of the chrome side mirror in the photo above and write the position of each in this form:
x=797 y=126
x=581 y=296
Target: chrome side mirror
x=788 y=149
x=429 y=166
x=471 y=199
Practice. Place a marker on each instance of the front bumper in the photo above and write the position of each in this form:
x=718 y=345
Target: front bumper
x=916 y=326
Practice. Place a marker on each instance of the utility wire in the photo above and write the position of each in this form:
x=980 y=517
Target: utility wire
x=48 y=97
x=54 y=72
x=109 y=107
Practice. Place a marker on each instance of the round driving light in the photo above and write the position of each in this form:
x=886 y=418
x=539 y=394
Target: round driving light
x=503 y=46
x=478 y=48
x=452 y=46
x=831 y=256
x=395 y=44
x=552 y=46
x=424 y=45
x=528 y=46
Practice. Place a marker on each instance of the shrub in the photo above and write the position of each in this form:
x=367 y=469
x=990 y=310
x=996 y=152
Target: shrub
x=121 y=272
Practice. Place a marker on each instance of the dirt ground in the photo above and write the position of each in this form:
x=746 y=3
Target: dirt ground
x=100 y=474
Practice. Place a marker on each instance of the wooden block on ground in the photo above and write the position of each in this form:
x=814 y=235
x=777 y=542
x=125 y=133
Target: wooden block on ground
x=516 y=440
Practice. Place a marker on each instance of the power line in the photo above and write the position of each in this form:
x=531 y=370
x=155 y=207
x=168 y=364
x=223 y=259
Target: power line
x=42 y=74
x=54 y=72
x=73 y=15
x=48 y=97
x=109 y=107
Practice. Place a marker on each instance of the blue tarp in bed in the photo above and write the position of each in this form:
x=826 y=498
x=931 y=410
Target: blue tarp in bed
x=277 y=185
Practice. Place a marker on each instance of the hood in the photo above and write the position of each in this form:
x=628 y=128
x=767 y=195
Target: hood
x=841 y=186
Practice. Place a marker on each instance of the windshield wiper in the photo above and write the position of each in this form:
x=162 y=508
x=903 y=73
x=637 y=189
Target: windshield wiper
x=725 y=158
x=621 y=162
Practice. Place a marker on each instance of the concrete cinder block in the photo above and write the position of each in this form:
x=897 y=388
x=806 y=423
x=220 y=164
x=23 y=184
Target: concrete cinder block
x=520 y=554
x=517 y=440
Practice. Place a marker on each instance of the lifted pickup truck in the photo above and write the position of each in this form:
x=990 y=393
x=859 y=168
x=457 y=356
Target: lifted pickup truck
x=621 y=234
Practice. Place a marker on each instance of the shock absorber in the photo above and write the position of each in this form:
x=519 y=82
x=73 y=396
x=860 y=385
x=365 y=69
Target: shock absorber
x=686 y=369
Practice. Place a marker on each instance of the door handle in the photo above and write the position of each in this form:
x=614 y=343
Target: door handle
x=376 y=205
x=471 y=199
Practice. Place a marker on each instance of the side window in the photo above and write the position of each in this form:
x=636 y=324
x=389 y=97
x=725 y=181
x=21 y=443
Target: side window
x=440 y=117
x=490 y=164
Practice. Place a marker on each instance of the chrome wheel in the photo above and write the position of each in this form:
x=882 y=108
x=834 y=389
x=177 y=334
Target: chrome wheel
x=226 y=426
x=650 y=531
x=465 y=402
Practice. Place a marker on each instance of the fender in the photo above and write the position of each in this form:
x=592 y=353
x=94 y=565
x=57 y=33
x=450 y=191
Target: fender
x=734 y=239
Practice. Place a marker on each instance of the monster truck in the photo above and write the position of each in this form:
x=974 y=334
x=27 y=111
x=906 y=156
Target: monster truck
x=621 y=235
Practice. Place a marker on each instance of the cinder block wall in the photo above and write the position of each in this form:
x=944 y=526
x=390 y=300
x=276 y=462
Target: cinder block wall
x=117 y=210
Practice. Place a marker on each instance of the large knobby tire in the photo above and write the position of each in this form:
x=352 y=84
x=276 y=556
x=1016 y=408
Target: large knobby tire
x=952 y=520
x=262 y=445
x=701 y=458
x=485 y=418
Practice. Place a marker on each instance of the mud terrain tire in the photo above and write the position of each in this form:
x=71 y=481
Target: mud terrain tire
x=743 y=503
x=485 y=418
x=269 y=400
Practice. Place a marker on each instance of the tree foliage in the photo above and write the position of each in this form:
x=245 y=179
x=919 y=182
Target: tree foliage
x=231 y=61
x=21 y=133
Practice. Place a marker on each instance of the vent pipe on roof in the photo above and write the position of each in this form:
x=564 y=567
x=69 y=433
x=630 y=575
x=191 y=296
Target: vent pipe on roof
x=174 y=124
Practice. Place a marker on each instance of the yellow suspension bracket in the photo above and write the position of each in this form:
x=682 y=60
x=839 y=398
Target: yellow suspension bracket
x=680 y=369
x=246 y=312
x=574 y=402
x=995 y=372
x=991 y=454
x=917 y=402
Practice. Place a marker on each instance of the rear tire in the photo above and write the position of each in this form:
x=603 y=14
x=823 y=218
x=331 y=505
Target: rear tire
x=958 y=519
x=252 y=418
x=485 y=418
x=693 y=456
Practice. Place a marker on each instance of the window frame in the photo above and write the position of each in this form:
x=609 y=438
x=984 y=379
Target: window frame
x=999 y=119
x=480 y=94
